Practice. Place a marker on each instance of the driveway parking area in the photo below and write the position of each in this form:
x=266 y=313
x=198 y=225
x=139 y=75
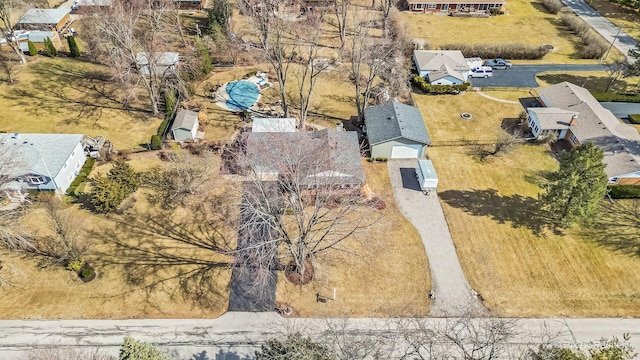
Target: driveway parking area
x=453 y=295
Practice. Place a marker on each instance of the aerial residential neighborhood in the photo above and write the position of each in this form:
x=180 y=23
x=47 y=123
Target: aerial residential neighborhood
x=340 y=179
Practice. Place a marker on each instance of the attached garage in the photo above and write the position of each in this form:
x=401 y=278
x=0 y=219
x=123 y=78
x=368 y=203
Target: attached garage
x=395 y=131
x=406 y=151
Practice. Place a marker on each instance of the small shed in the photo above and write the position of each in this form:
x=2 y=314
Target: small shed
x=427 y=177
x=158 y=63
x=185 y=126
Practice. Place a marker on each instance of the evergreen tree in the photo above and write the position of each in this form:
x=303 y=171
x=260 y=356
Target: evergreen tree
x=74 y=50
x=49 y=48
x=33 y=51
x=575 y=190
x=219 y=14
x=110 y=191
x=138 y=350
x=123 y=174
x=294 y=347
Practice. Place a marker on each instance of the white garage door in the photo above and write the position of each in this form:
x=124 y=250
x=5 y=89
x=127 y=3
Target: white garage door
x=405 y=151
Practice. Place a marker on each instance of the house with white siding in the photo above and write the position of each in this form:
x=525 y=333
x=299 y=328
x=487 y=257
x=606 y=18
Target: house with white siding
x=41 y=161
x=442 y=67
x=452 y=6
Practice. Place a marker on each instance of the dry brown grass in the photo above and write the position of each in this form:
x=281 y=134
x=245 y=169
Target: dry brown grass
x=619 y=15
x=63 y=95
x=388 y=276
x=592 y=80
x=519 y=269
x=521 y=21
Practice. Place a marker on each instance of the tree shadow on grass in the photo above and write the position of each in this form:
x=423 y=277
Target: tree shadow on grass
x=518 y=210
x=617 y=227
x=178 y=257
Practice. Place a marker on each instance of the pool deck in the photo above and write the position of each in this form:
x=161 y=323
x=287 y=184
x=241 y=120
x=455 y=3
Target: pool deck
x=221 y=97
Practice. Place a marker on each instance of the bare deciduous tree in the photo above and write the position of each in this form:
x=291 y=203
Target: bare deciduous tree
x=503 y=143
x=317 y=203
x=122 y=31
x=341 y=8
x=370 y=57
x=310 y=66
x=13 y=236
x=61 y=352
x=6 y=11
x=65 y=241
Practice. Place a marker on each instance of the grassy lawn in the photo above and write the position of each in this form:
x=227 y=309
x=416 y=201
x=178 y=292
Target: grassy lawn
x=63 y=95
x=592 y=80
x=519 y=268
x=524 y=21
x=388 y=276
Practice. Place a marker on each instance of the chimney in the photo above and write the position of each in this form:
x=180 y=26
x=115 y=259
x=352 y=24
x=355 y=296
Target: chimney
x=573 y=120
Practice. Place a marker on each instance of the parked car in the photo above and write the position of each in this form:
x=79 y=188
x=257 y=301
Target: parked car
x=482 y=72
x=498 y=63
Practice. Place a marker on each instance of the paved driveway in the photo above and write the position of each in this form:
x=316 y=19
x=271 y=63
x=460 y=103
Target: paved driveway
x=453 y=295
x=525 y=75
x=621 y=40
x=622 y=109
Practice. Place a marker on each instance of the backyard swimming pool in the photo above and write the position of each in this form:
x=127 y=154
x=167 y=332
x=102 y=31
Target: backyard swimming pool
x=241 y=95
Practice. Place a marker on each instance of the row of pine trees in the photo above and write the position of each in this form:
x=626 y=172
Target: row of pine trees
x=51 y=50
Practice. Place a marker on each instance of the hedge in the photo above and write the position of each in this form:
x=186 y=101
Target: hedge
x=76 y=186
x=634 y=119
x=424 y=86
x=156 y=142
x=500 y=50
x=604 y=96
x=624 y=191
x=170 y=104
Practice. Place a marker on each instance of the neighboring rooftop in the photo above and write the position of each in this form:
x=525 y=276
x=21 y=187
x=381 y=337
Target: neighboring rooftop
x=43 y=154
x=43 y=16
x=274 y=125
x=433 y=60
x=619 y=141
x=394 y=120
x=94 y=2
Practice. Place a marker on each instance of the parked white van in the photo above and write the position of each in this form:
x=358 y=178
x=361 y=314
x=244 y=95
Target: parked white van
x=482 y=72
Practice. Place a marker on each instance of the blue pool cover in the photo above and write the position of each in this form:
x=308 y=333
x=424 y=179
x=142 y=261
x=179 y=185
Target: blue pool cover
x=242 y=94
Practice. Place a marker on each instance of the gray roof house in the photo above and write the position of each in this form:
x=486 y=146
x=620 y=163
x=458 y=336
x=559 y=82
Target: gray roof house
x=185 y=126
x=573 y=115
x=442 y=67
x=44 y=19
x=40 y=161
x=320 y=158
x=396 y=131
x=160 y=63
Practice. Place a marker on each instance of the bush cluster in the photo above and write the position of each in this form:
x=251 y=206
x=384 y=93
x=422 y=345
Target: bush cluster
x=377 y=159
x=495 y=12
x=74 y=188
x=624 y=191
x=606 y=96
x=156 y=142
x=554 y=6
x=424 y=86
x=634 y=119
x=507 y=50
x=594 y=45
x=76 y=265
x=170 y=101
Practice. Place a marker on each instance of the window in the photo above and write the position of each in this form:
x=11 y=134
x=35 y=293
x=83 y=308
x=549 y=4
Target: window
x=70 y=177
x=73 y=153
x=494 y=6
x=35 y=180
x=431 y=6
x=64 y=166
x=483 y=6
x=444 y=7
x=418 y=6
x=573 y=139
x=614 y=180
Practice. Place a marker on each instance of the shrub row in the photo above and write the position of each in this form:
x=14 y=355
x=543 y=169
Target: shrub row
x=75 y=189
x=377 y=159
x=508 y=50
x=634 y=118
x=630 y=3
x=170 y=100
x=624 y=191
x=424 y=86
x=605 y=96
x=554 y=6
x=594 y=45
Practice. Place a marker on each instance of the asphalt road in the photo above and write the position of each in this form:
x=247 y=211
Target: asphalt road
x=622 y=109
x=237 y=335
x=621 y=40
x=525 y=75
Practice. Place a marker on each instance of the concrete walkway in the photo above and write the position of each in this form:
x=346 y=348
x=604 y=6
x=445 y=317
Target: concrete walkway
x=453 y=295
x=237 y=335
x=496 y=99
x=621 y=40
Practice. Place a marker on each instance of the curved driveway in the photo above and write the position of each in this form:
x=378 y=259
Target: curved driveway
x=525 y=75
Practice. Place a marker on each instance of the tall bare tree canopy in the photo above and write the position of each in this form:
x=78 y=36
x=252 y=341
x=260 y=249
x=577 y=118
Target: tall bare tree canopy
x=119 y=34
x=6 y=10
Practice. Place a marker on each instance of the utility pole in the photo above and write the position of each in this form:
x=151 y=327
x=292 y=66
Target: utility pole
x=612 y=42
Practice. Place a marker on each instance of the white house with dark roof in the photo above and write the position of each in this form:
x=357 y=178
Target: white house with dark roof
x=44 y=19
x=573 y=115
x=42 y=161
x=452 y=6
x=185 y=126
x=442 y=67
x=396 y=131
